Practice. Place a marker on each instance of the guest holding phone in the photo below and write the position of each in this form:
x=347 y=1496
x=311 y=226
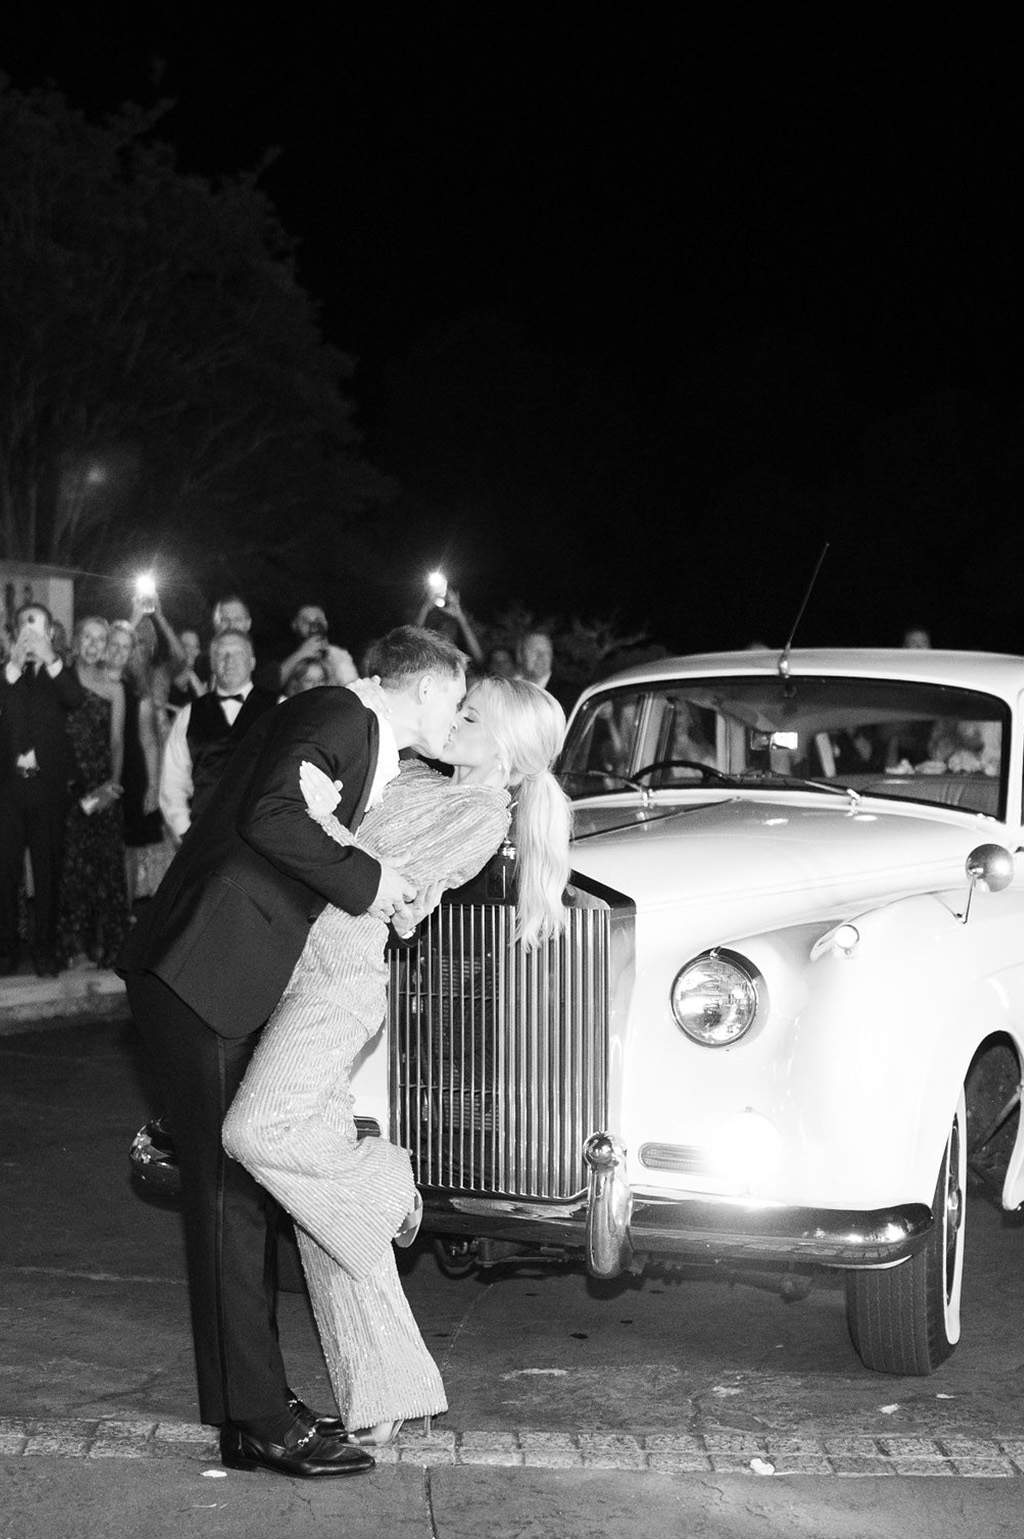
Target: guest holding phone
x=36 y=767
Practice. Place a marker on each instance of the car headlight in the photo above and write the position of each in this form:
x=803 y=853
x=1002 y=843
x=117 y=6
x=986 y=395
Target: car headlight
x=716 y=998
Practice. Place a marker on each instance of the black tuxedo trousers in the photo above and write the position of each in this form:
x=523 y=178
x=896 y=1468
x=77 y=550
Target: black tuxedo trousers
x=230 y=1222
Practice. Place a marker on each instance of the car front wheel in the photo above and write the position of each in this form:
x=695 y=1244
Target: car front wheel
x=906 y=1319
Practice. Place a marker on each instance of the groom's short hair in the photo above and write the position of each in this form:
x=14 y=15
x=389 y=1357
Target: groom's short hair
x=411 y=650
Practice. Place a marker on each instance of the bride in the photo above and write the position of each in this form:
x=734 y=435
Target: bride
x=291 y=1121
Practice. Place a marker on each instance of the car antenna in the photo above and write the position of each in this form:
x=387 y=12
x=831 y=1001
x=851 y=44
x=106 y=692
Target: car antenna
x=783 y=663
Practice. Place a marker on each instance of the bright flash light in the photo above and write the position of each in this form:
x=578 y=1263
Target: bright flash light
x=145 y=586
x=748 y=1151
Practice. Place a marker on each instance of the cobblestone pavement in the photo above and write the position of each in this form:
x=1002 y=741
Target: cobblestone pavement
x=710 y=1453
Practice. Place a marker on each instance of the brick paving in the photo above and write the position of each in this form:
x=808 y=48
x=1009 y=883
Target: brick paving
x=690 y=1453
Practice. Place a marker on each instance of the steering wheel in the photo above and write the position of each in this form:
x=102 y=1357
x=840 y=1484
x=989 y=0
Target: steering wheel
x=708 y=773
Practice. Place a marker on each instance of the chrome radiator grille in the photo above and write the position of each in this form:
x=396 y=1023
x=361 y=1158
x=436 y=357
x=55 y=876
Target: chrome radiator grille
x=498 y=1056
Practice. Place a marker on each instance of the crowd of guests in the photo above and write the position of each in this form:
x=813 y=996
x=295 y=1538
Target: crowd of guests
x=112 y=741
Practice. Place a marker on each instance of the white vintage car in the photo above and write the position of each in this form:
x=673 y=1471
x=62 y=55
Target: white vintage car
x=795 y=939
x=788 y=1008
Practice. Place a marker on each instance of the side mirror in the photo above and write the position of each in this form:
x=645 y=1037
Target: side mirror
x=990 y=867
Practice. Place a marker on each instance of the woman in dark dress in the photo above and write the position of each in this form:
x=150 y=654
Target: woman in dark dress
x=148 y=851
x=93 y=914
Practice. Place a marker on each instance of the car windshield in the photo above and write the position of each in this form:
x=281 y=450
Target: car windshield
x=910 y=741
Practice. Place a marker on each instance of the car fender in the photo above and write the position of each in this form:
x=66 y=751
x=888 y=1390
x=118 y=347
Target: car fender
x=899 y=1000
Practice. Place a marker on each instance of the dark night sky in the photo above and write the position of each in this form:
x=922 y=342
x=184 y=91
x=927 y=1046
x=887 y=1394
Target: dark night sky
x=669 y=285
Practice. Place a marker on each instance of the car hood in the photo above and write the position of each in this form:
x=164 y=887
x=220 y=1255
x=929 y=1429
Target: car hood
x=796 y=856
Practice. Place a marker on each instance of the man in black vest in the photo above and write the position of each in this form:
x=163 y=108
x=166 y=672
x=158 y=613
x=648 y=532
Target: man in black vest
x=206 y=733
x=36 y=766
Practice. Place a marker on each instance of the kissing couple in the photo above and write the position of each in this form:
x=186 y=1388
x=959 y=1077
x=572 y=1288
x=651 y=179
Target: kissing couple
x=259 y=975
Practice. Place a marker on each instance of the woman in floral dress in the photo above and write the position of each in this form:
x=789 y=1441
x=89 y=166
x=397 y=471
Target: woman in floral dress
x=93 y=913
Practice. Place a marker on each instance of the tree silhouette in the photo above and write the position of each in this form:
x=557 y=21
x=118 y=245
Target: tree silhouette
x=161 y=372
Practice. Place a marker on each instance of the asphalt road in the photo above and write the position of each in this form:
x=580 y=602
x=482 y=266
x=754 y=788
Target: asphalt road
x=570 y=1402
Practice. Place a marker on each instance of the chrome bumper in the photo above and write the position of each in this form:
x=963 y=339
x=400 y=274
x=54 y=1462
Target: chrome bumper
x=615 y=1229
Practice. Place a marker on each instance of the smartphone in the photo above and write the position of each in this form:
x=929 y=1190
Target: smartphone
x=437 y=587
x=31 y=635
x=145 y=592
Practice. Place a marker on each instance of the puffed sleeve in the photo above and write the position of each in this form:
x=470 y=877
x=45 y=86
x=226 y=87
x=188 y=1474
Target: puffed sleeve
x=451 y=836
x=475 y=835
x=449 y=840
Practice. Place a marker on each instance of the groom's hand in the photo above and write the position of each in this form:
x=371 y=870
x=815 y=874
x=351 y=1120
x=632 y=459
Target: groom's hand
x=395 y=890
x=408 y=915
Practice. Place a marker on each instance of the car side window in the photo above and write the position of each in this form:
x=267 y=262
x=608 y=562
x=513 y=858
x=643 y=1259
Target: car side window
x=605 y=743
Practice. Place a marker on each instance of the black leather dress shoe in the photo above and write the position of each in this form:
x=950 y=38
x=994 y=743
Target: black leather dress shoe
x=327 y=1426
x=304 y=1453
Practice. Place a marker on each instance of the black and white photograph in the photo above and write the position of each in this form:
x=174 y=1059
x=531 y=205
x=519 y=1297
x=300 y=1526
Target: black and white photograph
x=511 y=770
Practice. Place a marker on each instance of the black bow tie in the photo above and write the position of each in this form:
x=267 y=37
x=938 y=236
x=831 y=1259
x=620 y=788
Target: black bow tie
x=239 y=698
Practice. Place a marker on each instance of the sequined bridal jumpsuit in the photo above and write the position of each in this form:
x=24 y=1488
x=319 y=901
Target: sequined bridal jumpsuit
x=291 y=1122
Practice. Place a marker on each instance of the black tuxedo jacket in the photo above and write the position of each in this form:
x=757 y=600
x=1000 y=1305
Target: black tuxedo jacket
x=33 y=714
x=231 y=916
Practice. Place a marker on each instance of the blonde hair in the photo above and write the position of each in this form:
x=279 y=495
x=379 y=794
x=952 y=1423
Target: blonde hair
x=528 y=726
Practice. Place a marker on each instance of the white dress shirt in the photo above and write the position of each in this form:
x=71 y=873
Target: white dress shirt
x=13 y=673
x=388 y=765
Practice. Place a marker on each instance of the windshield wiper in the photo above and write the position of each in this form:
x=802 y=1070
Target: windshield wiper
x=662 y=815
x=757 y=778
x=797 y=782
x=624 y=783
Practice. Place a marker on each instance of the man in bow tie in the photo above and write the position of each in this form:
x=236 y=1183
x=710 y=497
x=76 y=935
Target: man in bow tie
x=207 y=731
x=205 y=969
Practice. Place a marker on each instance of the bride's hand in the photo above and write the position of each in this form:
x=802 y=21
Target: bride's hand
x=371 y=694
x=321 y=793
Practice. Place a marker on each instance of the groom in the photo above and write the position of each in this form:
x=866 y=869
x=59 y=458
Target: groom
x=204 y=971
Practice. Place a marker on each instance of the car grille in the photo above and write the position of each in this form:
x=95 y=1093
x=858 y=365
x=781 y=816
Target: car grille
x=497 y=1055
